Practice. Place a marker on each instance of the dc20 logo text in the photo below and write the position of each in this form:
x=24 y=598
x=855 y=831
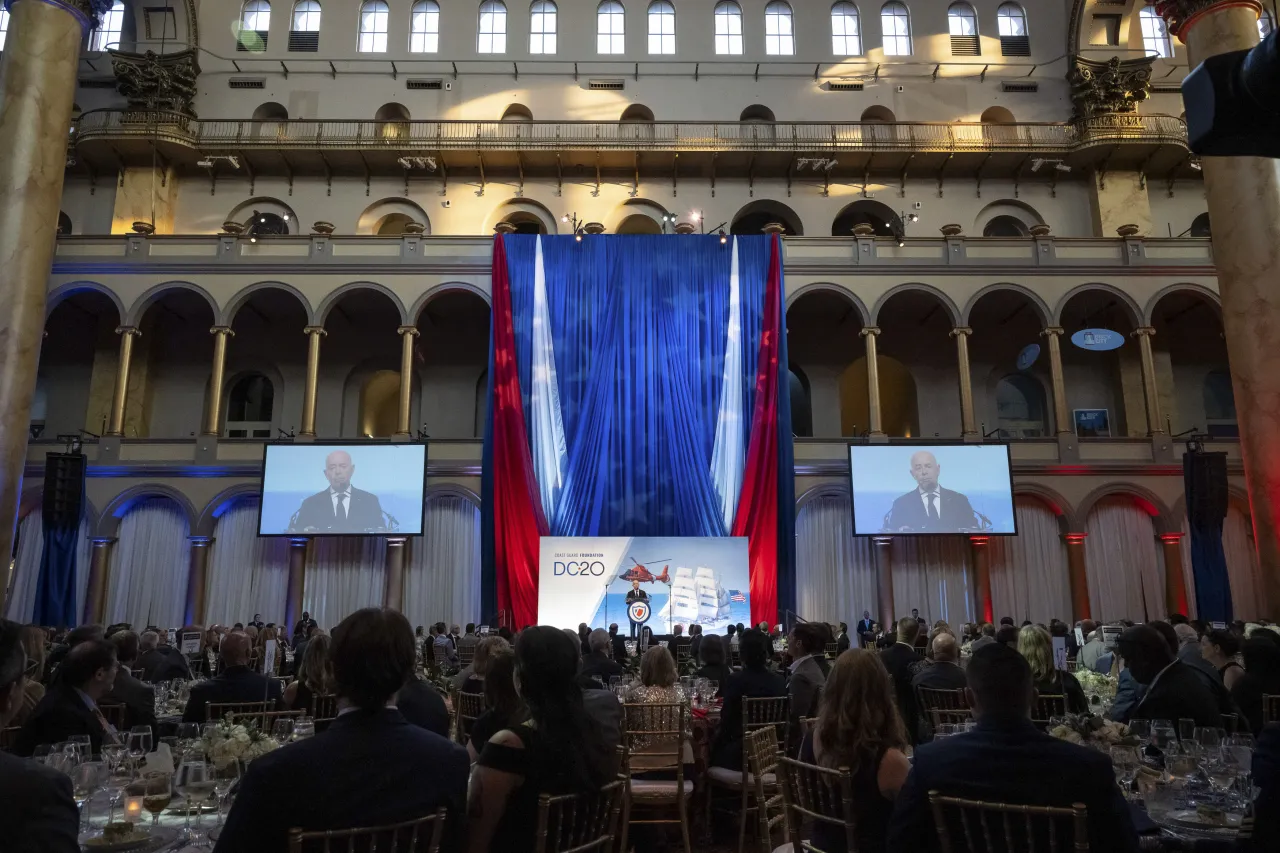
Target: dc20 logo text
x=575 y=568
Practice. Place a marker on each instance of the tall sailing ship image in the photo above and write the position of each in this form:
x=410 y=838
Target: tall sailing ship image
x=696 y=597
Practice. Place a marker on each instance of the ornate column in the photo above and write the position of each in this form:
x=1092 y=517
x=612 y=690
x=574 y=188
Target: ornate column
x=407 y=334
x=37 y=87
x=1244 y=204
x=1175 y=585
x=1076 y=570
x=314 y=333
x=968 y=428
x=213 y=422
x=982 y=576
x=116 y=425
x=297 y=581
x=873 y=380
x=394 y=595
x=196 y=579
x=1060 y=414
x=1150 y=394
x=95 y=602
x=884 y=579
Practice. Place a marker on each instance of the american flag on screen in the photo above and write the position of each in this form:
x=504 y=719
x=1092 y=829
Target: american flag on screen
x=736 y=595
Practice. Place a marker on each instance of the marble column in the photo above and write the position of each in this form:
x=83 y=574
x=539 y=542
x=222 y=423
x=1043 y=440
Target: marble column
x=873 y=381
x=37 y=87
x=394 y=594
x=884 y=579
x=407 y=335
x=297 y=581
x=1243 y=196
x=197 y=576
x=95 y=603
x=982 y=576
x=213 y=409
x=968 y=427
x=314 y=334
x=1076 y=571
x=1061 y=416
x=1175 y=584
x=1149 y=391
x=118 y=397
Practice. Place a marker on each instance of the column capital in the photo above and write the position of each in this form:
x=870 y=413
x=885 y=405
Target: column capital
x=408 y=330
x=98 y=541
x=961 y=330
x=299 y=541
x=314 y=330
x=223 y=330
x=979 y=541
x=1143 y=332
x=88 y=12
x=398 y=541
x=882 y=540
x=128 y=330
x=1074 y=538
x=869 y=330
x=1051 y=331
x=1180 y=14
x=200 y=541
x=1174 y=537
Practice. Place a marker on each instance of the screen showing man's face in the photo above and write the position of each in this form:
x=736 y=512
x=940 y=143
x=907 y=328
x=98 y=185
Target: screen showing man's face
x=925 y=470
x=338 y=470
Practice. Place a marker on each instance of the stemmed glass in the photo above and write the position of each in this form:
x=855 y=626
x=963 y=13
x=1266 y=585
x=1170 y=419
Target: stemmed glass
x=86 y=780
x=1127 y=761
x=188 y=736
x=156 y=794
x=195 y=784
x=116 y=757
x=139 y=744
x=84 y=746
x=224 y=779
x=1141 y=729
x=1163 y=735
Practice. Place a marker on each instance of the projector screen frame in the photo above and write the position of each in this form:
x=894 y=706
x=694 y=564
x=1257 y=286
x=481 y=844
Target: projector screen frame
x=926 y=445
x=366 y=442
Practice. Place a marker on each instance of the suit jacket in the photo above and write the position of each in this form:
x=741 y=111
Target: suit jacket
x=745 y=683
x=364 y=512
x=163 y=663
x=138 y=698
x=367 y=769
x=233 y=684
x=36 y=809
x=1128 y=694
x=908 y=513
x=61 y=713
x=599 y=667
x=864 y=626
x=1009 y=752
x=805 y=688
x=942 y=675
x=1189 y=653
x=619 y=647
x=1179 y=692
x=1089 y=654
x=421 y=705
x=898 y=659
x=1266 y=775
x=695 y=646
x=984 y=640
x=842 y=644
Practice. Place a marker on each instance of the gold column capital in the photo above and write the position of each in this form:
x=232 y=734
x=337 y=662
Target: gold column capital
x=961 y=330
x=869 y=330
x=1180 y=14
x=1051 y=331
x=128 y=330
x=1143 y=332
x=408 y=330
x=314 y=330
x=223 y=330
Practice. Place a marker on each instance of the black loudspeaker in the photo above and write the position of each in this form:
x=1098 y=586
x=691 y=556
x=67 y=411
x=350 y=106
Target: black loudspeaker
x=1205 y=478
x=63 y=487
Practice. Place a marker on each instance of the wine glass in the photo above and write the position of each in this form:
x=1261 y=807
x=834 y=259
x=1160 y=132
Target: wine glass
x=303 y=728
x=1126 y=761
x=1209 y=738
x=83 y=745
x=1186 y=729
x=282 y=731
x=156 y=793
x=1141 y=729
x=195 y=784
x=116 y=757
x=224 y=779
x=87 y=779
x=139 y=744
x=188 y=735
x=1163 y=735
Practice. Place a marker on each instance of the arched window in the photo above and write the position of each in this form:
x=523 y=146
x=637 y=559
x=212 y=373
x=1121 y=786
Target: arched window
x=266 y=224
x=662 y=28
x=373 y=27
x=424 y=27
x=779 y=37
x=611 y=27
x=64 y=224
x=1155 y=35
x=895 y=24
x=493 y=27
x=962 y=22
x=255 y=25
x=4 y=26
x=636 y=113
x=542 y=27
x=801 y=403
x=517 y=112
x=1005 y=226
x=728 y=15
x=1220 y=405
x=304 y=31
x=1265 y=24
x=846 y=30
x=249 y=407
x=1020 y=407
x=1200 y=226
x=1014 y=38
x=107 y=35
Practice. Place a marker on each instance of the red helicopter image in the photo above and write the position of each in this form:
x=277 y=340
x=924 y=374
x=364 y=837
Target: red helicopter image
x=640 y=573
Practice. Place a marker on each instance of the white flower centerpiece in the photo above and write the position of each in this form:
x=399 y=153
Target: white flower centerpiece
x=1100 y=689
x=229 y=742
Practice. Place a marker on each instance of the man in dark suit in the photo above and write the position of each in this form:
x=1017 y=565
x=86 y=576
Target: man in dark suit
x=138 y=697
x=341 y=508
x=160 y=661
x=695 y=640
x=929 y=508
x=367 y=768
x=235 y=682
x=866 y=624
x=898 y=659
x=752 y=681
x=1006 y=759
x=619 y=644
x=71 y=706
x=423 y=706
x=636 y=594
x=943 y=674
x=842 y=641
x=1175 y=691
x=74 y=637
x=596 y=664
x=804 y=686
x=36 y=810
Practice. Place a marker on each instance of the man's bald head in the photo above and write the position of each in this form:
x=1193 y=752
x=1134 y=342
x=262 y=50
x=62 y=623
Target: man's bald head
x=235 y=649
x=925 y=469
x=338 y=469
x=944 y=648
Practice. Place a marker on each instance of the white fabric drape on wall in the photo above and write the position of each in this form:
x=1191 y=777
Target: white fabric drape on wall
x=1029 y=575
x=931 y=574
x=835 y=571
x=1123 y=563
x=442 y=578
x=1242 y=566
x=247 y=573
x=344 y=574
x=1188 y=572
x=21 y=604
x=150 y=562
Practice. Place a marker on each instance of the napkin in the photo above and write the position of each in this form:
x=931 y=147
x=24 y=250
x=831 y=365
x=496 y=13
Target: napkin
x=160 y=761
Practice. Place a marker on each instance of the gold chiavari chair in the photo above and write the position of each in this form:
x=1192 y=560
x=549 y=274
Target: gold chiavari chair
x=656 y=743
x=7 y=737
x=1044 y=828
x=466 y=654
x=215 y=711
x=807 y=725
x=467 y=707
x=833 y=651
x=1270 y=709
x=958 y=717
x=929 y=699
x=1048 y=706
x=757 y=713
x=577 y=823
x=1071 y=665
x=760 y=749
x=324 y=706
x=813 y=794
x=113 y=713
x=420 y=835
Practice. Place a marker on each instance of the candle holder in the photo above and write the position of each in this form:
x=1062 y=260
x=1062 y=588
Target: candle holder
x=133 y=809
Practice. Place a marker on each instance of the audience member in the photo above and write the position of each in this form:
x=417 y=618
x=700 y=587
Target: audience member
x=315 y=675
x=898 y=660
x=842 y=640
x=1261 y=677
x=1035 y=644
x=423 y=706
x=73 y=638
x=1093 y=647
x=474 y=683
x=752 y=681
x=159 y=662
x=731 y=635
x=138 y=697
x=503 y=707
x=618 y=643
x=714 y=662
x=804 y=686
x=998 y=759
x=695 y=641
x=584 y=633
x=1219 y=648
x=1189 y=650
x=1206 y=673
x=986 y=636
x=443 y=651
x=300 y=646
x=469 y=640
x=866 y=625
x=70 y=707
x=597 y=664
x=1008 y=636
x=1174 y=691
x=658 y=679
x=945 y=673
x=235 y=682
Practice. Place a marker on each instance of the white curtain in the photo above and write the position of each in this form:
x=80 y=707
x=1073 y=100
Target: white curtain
x=442 y=578
x=835 y=571
x=1123 y=563
x=1029 y=575
x=150 y=563
x=1188 y=571
x=20 y=606
x=931 y=574
x=247 y=573
x=1247 y=600
x=344 y=574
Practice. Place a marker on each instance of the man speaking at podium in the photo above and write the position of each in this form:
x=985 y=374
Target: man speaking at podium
x=341 y=508
x=929 y=508
x=636 y=594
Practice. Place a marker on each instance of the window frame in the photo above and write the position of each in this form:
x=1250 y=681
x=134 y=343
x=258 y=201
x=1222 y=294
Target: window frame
x=1266 y=24
x=611 y=28
x=728 y=39
x=957 y=12
x=496 y=12
x=104 y=37
x=840 y=10
x=373 y=40
x=426 y=12
x=540 y=13
x=256 y=12
x=1154 y=42
x=306 y=14
x=1002 y=16
x=779 y=16
x=896 y=11
x=662 y=13
x=4 y=26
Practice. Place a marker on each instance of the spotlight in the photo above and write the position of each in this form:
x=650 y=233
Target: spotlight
x=262 y=219
x=564 y=218
x=1195 y=165
x=723 y=238
x=901 y=242
x=913 y=217
x=578 y=237
x=253 y=239
x=286 y=217
x=695 y=215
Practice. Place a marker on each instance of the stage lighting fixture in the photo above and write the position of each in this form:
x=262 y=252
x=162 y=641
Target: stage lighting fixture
x=695 y=215
x=578 y=237
x=723 y=239
x=564 y=218
x=253 y=239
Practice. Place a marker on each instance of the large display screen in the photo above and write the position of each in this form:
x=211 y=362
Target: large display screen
x=342 y=489
x=910 y=489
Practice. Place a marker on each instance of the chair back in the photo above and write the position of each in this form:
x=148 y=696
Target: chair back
x=324 y=706
x=1270 y=709
x=816 y=794
x=807 y=725
x=468 y=707
x=1048 y=706
x=215 y=711
x=766 y=711
x=1072 y=665
x=466 y=653
x=654 y=735
x=580 y=822
x=931 y=699
x=833 y=650
x=113 y=713
x=760 y=758
x=1003 y=828
x=958 y=717
x=8 y=736
x=420 y=835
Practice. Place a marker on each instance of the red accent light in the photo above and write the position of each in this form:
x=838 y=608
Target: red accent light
x=1074 y=538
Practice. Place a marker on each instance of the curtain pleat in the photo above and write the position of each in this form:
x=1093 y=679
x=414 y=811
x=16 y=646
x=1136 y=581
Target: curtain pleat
x=344 y=574
x=247 y=573
x=21 y=603
x=442 y=579
x=835 y=571
x=931 y=574
x=147 y=584
x=1123 y=563
x=1188 y=570
x=1029 y=577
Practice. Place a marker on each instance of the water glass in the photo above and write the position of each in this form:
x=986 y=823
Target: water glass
x=195 y=783
x=1186 y=729
x=1126 y=761
x=1163 y=735
x=282 y=731
x=1209 y=738
x=188 y=736
x=303 y=728
x=139 y=744
x=224 y=779
x=83 y=745
x=87 y=779
x=1141 y=729
x=1160 y=799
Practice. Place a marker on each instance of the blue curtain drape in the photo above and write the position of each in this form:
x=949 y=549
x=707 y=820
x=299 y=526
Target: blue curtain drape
x=56 y=587
x=1205 y=485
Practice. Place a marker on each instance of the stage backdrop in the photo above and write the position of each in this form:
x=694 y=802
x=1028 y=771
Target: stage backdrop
x=636 y=389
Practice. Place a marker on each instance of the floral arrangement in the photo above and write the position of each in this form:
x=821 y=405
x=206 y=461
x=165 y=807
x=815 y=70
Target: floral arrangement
x=1092 y=730
x=1099 y=688
x=229 y=742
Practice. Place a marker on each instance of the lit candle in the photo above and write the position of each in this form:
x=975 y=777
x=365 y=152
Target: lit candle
x=133 y=809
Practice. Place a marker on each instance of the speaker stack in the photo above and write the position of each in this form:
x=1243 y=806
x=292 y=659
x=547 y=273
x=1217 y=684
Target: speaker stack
x=63 y=488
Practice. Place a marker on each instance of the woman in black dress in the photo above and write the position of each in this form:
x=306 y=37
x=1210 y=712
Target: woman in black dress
x=503 y=708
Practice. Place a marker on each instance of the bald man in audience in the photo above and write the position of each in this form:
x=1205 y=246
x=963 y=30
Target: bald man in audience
x=235 y=682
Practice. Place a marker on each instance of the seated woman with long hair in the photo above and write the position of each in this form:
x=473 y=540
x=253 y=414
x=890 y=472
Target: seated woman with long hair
x=503 y=708
x=315 y=675
x=714 y=666
x=658 y=679
x=1220 y=647
x=556 y=751
x=1035 y=644
x=485 y=649
x=859 y=728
